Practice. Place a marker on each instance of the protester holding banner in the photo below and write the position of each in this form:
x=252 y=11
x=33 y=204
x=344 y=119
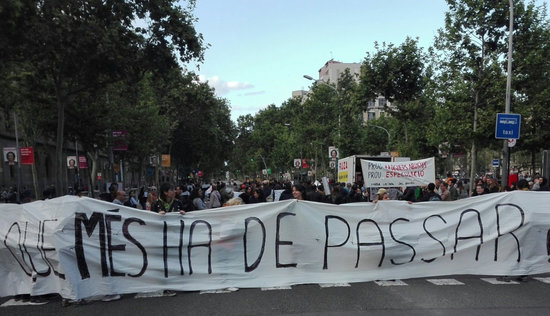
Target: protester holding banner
x=299 y=192
x=167 y=202
x=430 y=193
x=382 y=194
x=257 y=196
x=287 y=192
x=480 y=189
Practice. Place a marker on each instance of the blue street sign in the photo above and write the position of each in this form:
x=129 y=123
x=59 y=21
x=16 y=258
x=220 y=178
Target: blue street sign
x=496 y=162
x=508 y=126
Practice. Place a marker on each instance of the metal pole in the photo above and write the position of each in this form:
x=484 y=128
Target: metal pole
x=76 y=181
x=339 y=108
x=18 y=195
x=505 y=148
x=387 y=132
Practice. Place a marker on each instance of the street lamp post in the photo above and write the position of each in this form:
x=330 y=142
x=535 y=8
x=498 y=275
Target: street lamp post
x=263 y=160
x=505 y=148
x=385 y=130
x=333 y=88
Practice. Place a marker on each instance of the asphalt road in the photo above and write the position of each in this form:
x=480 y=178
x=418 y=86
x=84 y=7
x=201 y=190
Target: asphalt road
x=458 y=295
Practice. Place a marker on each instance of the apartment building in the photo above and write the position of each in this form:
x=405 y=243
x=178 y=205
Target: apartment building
x=331 y=72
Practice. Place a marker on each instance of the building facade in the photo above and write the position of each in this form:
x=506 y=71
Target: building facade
x=331 y=72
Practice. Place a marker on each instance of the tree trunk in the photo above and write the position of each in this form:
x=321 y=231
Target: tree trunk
x=93 y=170
x=473 y=153
x=59 y=188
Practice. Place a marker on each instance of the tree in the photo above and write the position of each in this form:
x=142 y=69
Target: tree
x=204 y=133
x=78 y=46
x=531 y=79
x=399 y=73
x=472 y=84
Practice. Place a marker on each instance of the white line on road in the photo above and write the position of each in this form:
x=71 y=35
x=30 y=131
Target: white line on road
x=220 y=291
x=276 y=288
x=445 y=282
x=325 y=285
x=159 y=293
x=391 y=283
x=498 y=282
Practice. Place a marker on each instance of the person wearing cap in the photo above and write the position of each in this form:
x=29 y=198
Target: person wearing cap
x=382 y=194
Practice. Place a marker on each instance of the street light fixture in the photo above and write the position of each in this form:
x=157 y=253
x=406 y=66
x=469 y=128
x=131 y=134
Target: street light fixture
x=333 y=88
x=385 y=130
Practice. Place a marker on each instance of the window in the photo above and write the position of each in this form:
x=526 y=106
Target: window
x=371 y=116
x=381 y=101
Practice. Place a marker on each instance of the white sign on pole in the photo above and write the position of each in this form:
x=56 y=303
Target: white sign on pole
x=398 y=174
x=81 y=247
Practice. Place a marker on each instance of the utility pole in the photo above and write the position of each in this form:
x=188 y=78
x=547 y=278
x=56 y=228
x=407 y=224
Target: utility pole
x=505 y=148
x=18 y=153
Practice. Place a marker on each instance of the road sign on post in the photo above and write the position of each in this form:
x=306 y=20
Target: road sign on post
x=508 y=126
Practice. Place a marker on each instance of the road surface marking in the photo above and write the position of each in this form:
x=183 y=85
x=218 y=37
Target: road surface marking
x=391 y=283
x=444 y=281
x=498 y=282
x=276 y=288
x=325 y=285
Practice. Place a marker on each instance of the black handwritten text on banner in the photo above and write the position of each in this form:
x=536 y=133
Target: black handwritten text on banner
x=80 y=247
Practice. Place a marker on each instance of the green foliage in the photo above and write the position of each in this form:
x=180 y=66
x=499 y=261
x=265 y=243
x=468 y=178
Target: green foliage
x=471 y=81
x=400 y=75
x=71 y=53
x=531 y=80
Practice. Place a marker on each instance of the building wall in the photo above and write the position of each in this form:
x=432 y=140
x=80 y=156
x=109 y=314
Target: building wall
x=331 y=72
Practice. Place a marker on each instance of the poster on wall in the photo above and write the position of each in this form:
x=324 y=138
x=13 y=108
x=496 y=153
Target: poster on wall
x=10 y=155
x=82 y=162
x=27 y=155
x=333 y=153
x=71 y=162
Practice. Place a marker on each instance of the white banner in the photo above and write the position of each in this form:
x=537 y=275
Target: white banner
x=398 y=174
x=80 y=247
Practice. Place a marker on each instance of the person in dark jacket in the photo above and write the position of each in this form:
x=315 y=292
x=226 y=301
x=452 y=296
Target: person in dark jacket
x=287 y=193
x=167 y=202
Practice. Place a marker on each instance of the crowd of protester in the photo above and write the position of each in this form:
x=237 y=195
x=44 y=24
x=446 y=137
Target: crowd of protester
x=192 y=196
x=196 y=196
